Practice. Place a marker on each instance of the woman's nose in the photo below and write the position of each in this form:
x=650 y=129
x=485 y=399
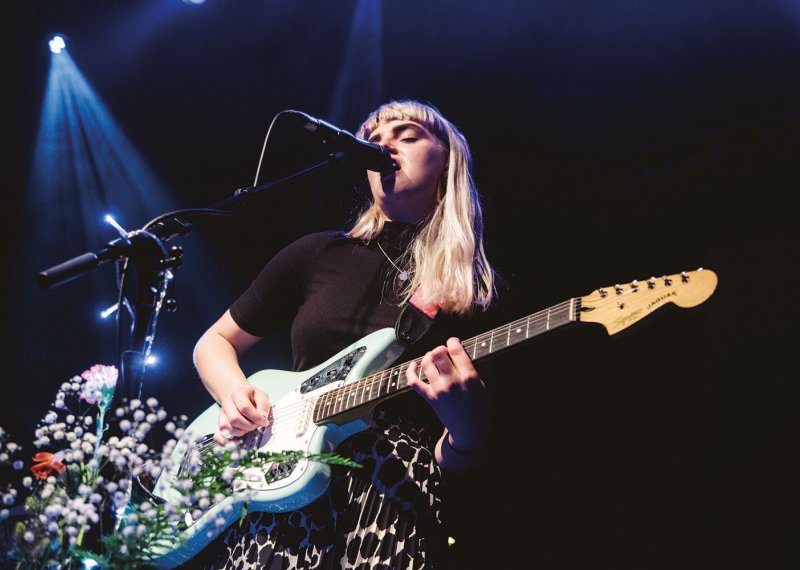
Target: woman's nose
x=390 y=147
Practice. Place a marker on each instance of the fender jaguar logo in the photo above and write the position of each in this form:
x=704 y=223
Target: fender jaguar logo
x=657 y=300
x=627 y=319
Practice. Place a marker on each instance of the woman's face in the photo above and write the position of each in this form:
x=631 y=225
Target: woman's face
x=409 y=193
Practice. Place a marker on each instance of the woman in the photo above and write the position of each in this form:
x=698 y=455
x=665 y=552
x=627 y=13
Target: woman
x=422 y=233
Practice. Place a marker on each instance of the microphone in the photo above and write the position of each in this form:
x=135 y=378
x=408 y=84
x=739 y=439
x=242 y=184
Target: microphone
x=372 y=156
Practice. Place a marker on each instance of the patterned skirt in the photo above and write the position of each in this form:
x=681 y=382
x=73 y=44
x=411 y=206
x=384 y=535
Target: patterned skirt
x=386 y=515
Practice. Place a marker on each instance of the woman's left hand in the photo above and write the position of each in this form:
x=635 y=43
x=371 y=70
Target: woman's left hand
x=456 y=393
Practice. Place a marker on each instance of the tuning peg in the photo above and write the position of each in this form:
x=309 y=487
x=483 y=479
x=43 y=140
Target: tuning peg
x=684 y=277
x=635 y=285
x=651 y=283
x=618 y=289
x=620 y=305
x=603 y=292
x=667 y=281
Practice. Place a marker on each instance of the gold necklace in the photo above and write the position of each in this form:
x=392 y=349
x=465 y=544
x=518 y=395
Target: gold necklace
x=402 y=274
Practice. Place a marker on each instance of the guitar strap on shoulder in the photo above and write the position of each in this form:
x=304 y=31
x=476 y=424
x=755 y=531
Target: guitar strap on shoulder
x=415 y=319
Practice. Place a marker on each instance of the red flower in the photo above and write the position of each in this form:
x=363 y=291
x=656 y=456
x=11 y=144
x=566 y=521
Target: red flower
x=47 y=463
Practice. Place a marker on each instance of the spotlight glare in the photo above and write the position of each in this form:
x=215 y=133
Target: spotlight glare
x=109 y=219
x=150 y=360
x=104 y=314
x=194 y=2
x=57 y=44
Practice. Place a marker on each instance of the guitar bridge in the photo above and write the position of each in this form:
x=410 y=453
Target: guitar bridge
x=258 y=479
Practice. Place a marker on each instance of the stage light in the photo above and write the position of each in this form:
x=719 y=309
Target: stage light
x=105 y=313
x=359 y=83
x=151 y=360
x=109 y=219
x=194 y=2
x=57 y=44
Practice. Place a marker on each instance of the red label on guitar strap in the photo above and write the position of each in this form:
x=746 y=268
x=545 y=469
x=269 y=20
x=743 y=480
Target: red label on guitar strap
x=430 y=310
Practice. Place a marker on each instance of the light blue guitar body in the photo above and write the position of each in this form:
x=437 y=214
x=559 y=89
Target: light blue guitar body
x=293 y=396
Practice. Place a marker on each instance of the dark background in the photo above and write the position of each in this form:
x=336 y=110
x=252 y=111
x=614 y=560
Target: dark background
x=612 y=141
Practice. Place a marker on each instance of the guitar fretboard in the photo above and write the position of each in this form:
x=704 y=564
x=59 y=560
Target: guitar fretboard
x=392 y=381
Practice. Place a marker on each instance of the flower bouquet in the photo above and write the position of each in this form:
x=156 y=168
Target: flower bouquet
x=86 y=503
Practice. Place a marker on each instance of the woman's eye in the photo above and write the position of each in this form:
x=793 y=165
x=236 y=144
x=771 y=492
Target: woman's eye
x=409 y=139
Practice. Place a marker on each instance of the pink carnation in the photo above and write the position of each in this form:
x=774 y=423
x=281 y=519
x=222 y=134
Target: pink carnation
x=100 y=381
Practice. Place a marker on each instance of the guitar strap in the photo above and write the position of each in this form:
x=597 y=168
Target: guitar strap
x=415 y=319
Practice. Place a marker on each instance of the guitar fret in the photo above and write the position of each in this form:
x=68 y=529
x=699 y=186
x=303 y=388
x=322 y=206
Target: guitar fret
x=383 y=387
x=341 y=398
x=359 y=398
x=515 y=333
x=540 y=323
x=368 y=383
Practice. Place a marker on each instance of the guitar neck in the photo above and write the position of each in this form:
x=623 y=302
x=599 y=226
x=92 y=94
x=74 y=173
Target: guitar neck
x=392 y=381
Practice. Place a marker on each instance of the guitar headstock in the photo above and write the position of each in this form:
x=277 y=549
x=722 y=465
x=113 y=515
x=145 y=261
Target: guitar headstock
x=617 y=307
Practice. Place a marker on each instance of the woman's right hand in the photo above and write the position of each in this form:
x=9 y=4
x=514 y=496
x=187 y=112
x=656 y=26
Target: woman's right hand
x=244 y=409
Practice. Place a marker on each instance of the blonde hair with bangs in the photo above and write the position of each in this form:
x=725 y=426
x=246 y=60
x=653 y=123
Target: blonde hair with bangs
x=447 y=257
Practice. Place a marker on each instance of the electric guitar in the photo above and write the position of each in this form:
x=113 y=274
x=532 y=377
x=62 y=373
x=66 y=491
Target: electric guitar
x=314 y=411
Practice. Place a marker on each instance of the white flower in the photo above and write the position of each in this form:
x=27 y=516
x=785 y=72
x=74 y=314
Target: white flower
x=28 y=536
x=18 y=465
x=152 y=403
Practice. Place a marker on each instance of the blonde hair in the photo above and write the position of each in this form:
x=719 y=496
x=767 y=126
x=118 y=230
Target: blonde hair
x=447 y=257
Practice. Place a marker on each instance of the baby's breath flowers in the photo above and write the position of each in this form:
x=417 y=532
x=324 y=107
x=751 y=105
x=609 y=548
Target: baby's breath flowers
x=86 y=504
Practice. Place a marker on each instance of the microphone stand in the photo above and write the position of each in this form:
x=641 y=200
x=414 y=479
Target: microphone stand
x=146 y=284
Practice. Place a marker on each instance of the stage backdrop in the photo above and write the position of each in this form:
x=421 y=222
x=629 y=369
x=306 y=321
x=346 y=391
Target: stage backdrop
x=612 y=141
